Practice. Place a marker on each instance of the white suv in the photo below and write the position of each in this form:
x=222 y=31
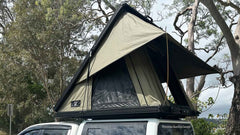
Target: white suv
x=113 y=127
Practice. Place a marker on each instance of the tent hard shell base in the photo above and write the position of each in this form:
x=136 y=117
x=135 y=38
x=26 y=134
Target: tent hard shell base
x=169 y=112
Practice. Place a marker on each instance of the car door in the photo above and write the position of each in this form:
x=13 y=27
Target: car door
x=48 y=130
x=32 y=132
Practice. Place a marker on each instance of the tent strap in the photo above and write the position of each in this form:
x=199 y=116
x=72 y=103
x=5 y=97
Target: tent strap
x=87 y=82
x=167 y=68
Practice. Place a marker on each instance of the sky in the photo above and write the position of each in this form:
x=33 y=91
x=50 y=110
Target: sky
x=223 y=101
x=223 y=96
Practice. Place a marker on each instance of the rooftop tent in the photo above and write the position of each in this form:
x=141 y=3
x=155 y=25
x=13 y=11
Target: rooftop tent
x=124 y=71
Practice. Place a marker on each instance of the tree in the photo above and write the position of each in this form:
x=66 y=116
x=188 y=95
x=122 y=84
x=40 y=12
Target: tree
x=19 y=87
x=233 y=41
x=6 y=16
x=59 y=31
x=222 y=15
x=39 y=55
x=42 y=47
x=49 y=32
x=191 y=27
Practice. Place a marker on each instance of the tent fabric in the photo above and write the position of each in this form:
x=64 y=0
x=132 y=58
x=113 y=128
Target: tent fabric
x=174 y=84
x=140 y=73
x=113 y=88
x=184 y=63
x=146 y=82
x=81 y=95
x=128 y=34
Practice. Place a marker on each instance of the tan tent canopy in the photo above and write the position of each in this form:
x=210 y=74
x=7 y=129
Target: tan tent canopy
x=127 y=68
x=131 y=33
x=128 y=34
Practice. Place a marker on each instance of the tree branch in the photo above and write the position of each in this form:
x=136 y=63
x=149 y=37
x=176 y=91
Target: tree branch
x=9 y=13
x=109 y=5
x=216 y=50
x=229 y=3
x=202 y=79
x=233 y=47
x=200 y=86
x=222 y=78
x=177 y=17
x=1 y=25
x=204 y=49
x=104 y=13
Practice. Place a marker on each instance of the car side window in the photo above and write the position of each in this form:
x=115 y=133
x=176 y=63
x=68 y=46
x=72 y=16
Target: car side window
x=175 y=129
x=55 y=132
x=115 y=128
x=33 y=132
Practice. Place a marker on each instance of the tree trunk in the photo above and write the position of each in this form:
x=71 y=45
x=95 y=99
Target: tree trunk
x=233 y=126
x=190 y=81
x=190 y=87
x=232 y=44
x=200 y=86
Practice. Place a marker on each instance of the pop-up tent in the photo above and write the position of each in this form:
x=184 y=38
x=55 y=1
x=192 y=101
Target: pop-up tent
x=123 y=73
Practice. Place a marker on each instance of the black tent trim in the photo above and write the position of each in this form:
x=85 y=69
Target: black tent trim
x=123 y=9
x=169 y=112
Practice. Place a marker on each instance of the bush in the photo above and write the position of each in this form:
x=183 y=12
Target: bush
x=202 y=127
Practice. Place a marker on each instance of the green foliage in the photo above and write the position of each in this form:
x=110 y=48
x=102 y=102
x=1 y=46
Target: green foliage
x=202 y=127
x=219 y=132
x=39 y=55
x=214 y=125
x=221 y=127
x=203 y=105
x=42 y=48
x=48 y=32
x=28 y=98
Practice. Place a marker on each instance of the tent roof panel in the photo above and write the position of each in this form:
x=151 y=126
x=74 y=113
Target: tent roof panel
x=128 y=34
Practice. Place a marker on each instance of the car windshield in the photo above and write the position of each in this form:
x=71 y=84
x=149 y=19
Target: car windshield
x=175 y=129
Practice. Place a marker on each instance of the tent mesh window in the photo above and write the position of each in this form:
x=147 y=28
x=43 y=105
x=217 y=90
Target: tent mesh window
x=113 y=88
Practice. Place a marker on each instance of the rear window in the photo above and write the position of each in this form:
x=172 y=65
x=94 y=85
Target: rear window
x=55 y=132
x=175 y=129
x=32 y=132
x=123 y=128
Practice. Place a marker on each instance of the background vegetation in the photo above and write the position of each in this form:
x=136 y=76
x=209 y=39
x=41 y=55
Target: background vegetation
x=43 y=42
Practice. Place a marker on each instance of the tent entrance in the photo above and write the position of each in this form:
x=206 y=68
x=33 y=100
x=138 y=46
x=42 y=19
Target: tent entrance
x=129 y=82
x=113 y=88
